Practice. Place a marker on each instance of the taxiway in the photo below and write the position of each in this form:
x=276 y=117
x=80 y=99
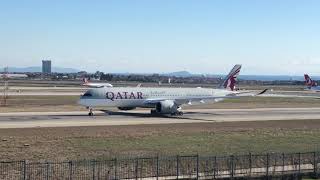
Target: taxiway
x=141 y=116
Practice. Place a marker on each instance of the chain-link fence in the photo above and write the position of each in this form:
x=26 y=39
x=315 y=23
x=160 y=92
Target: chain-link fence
x=170 y=167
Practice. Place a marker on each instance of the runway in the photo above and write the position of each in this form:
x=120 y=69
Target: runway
x=37 y=93
x=136 y=117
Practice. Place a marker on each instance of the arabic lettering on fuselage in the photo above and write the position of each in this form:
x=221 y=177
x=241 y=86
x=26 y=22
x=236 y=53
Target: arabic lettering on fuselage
x=123 y=95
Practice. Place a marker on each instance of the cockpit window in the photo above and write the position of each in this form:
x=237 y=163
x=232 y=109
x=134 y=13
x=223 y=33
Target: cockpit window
x=87 y=94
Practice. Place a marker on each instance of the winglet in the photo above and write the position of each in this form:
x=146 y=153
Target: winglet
x=262 y=92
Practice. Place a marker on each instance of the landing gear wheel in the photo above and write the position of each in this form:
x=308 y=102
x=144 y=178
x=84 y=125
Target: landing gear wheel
x=179 y=113
x=153 y=111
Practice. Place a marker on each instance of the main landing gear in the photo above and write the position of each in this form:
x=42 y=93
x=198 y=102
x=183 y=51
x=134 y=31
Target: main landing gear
x=154 y=112
x=177 y=113
x=90 y=111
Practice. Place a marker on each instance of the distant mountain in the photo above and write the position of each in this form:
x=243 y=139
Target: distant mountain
x=180 y=74
x=39 y=69
x=65 y=70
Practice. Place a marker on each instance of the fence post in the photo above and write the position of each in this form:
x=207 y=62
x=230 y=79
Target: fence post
x=157 y=167
x=215 y=167
x=24 y=170
x=250 y=164
x=267 y=173
x=283 y=156
x=232 y=170
x=197 y=166
x=98 y=167
x=93 y=164
x=292 y=161
x=315 y=165
x=299 y=154
x=177 y=170
x=115 y=168
x=47 y=169
x=70 y=172
x=274 y=169
x=136 y=168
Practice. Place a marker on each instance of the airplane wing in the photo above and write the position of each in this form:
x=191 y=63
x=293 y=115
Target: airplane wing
x=96 y=85
x=250 y=93
x=290 y=96
x=185 y=100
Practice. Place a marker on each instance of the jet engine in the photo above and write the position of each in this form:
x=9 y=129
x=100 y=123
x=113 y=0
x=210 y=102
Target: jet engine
x=126 y=108
x=218 y=100
x=166 y=107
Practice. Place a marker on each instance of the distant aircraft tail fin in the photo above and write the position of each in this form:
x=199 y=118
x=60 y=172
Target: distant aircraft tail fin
x=308 y=81
x=230 y=80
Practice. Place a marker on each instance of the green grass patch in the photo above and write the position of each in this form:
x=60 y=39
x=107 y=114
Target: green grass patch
x=220 y=143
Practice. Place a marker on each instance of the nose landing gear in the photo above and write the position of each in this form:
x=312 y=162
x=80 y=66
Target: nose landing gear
x=90 y=111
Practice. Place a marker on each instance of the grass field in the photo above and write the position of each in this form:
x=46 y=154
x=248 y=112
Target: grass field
x=202 y=138
x=41 y=103
x=206 y=142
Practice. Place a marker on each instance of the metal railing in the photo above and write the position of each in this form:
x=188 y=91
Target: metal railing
x=169 y=167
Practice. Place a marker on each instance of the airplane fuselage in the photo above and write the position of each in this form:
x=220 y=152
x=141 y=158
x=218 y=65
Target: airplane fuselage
x=137 y=96
x=313 y=88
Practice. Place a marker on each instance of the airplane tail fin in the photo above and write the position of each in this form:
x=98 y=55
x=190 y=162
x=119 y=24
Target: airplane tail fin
x=230 y=80
x=309 y=82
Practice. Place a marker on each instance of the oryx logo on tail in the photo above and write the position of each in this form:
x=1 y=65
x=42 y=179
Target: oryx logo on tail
x=229 y=82
x=309 y=82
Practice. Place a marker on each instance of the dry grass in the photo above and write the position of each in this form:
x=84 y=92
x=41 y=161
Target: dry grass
x=202 y=138
x=41 y=103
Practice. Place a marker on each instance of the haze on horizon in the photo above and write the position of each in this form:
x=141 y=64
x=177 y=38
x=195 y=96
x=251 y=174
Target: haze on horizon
x=204 y=37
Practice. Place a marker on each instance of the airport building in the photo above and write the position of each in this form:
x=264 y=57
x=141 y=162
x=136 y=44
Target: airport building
x=46 y=66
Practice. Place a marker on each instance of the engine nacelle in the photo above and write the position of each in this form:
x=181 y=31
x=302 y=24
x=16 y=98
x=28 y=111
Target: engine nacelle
x=126 y=108
x=218 y=100
x=166 y=107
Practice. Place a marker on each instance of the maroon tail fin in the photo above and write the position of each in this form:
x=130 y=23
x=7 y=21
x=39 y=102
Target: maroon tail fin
x=230 y=80
x=308 y=81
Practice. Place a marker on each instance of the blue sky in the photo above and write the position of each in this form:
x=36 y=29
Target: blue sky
x=266 y=36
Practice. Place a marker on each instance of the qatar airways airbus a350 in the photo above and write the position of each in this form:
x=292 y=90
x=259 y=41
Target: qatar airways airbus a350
x=162 y=100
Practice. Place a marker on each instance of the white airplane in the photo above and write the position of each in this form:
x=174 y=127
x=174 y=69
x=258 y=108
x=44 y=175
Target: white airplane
x=162 y=100
x=311 y=84
x=12 y=76
x=95 y=85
